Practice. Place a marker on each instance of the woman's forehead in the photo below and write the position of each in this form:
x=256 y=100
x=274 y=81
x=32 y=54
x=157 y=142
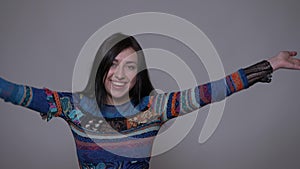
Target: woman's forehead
x=128 y=55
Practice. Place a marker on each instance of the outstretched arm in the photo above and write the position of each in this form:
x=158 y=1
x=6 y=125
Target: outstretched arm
x=46 y=102
x=173 y=104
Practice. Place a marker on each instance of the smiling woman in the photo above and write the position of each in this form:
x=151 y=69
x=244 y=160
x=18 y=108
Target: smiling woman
x=116 y=118
x=120 y=65
x=121 y=77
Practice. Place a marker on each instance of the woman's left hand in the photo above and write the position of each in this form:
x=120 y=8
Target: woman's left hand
x=285 y=60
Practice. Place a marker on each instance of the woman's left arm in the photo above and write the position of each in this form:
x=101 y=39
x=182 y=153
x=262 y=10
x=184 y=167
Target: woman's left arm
x=285 y=60
x=174 y=104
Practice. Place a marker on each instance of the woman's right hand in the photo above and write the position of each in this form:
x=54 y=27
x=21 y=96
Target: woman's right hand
x=285 y=60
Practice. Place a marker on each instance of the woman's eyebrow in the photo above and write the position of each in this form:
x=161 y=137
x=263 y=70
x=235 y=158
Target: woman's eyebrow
x=129 y=62
x=126 y=62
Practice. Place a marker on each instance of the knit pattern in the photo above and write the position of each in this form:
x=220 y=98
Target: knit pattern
x=119 y=136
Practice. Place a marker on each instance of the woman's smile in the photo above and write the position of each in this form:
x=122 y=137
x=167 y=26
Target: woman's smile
x=121 y=76
x=118 y=84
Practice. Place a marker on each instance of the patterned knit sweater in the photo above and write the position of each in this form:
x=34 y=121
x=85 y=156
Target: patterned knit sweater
x=118 y=137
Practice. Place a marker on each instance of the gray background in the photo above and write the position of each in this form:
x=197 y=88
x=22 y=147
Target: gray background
x=40 y=41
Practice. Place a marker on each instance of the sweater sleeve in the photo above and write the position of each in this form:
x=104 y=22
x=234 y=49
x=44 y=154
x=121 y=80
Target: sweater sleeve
x=44 y=101
x=173 y=104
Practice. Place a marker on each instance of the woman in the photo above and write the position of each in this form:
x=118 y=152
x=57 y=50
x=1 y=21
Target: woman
x=116 y=118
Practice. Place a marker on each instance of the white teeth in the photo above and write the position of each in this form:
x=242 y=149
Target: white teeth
x=118 y=83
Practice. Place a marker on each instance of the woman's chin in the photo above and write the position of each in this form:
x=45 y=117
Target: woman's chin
x=119 y=99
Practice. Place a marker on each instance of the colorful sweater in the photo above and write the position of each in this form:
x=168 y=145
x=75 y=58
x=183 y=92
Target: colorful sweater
x=118 y=137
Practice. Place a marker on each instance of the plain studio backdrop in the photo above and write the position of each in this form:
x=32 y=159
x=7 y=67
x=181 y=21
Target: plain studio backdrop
x=41 y=40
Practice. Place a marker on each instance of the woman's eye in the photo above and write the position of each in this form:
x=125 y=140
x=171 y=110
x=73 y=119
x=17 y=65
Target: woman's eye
x=114 y=65
x=131 y=67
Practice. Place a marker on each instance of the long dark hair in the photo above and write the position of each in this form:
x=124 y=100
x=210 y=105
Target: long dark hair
x=105 y=56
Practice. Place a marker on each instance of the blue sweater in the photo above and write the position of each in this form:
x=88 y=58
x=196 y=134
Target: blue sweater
x=118 y=136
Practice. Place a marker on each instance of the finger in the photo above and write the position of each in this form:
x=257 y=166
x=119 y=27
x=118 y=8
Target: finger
x=292 y=53
x=296 y=64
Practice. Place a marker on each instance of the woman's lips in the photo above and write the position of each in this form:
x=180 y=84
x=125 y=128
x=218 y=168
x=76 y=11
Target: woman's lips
x=116 y=84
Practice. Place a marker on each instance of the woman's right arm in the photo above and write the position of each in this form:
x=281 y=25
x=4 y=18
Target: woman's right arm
x=173 y=104
x=48 y=103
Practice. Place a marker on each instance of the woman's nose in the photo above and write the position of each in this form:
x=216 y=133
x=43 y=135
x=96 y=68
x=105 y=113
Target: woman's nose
x=119 y=73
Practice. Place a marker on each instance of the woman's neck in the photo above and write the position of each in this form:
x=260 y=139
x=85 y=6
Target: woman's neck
x=117 y=101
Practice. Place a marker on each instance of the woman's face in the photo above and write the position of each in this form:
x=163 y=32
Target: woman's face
x=121 y=77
